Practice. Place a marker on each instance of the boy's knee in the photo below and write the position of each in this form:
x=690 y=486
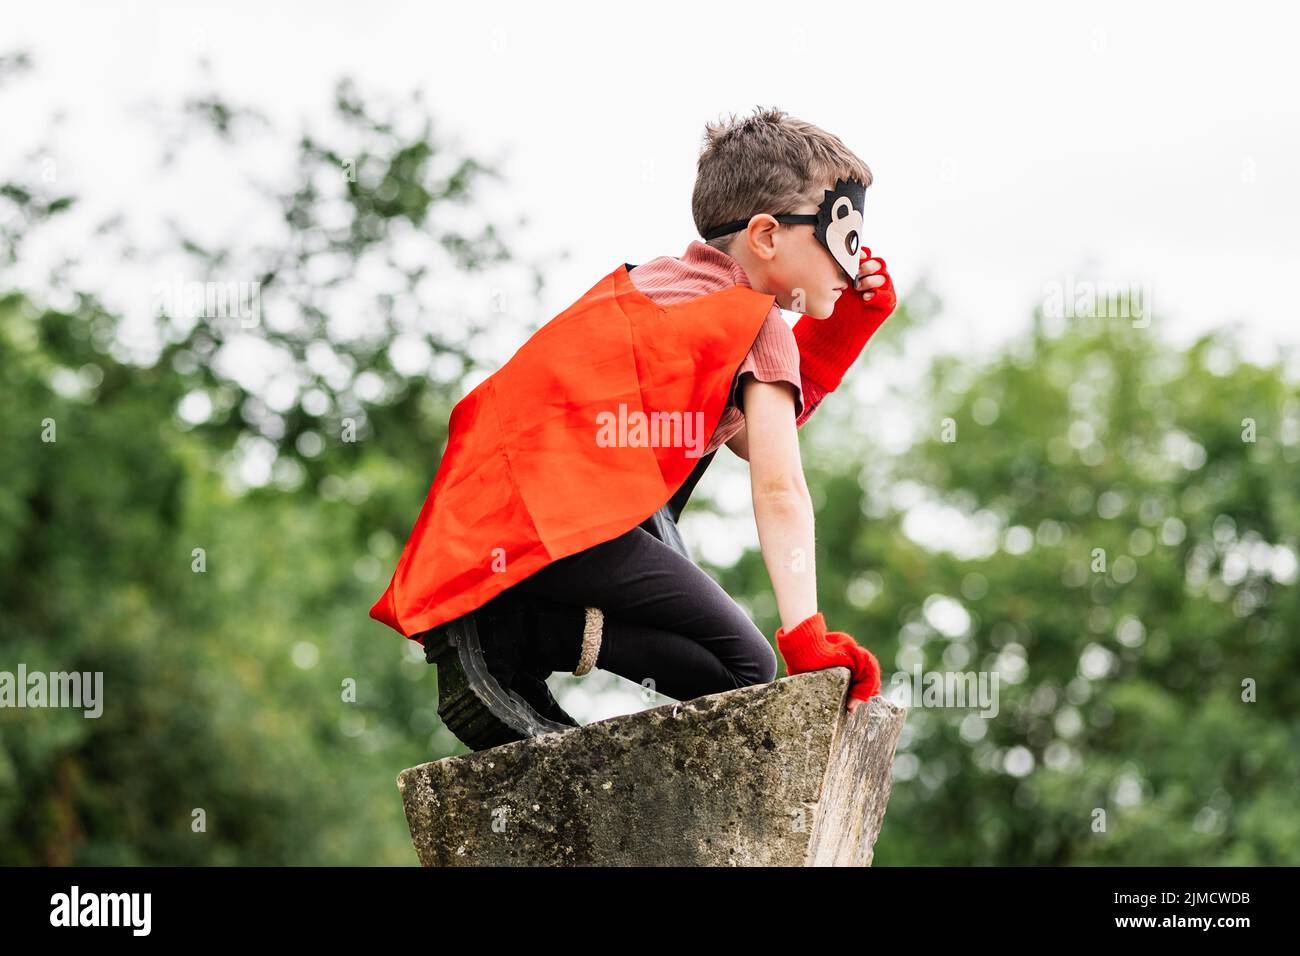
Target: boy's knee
x=760 y=668
x=769 y=663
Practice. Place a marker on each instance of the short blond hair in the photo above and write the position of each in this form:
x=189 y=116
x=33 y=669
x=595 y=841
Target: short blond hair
x=768 y=162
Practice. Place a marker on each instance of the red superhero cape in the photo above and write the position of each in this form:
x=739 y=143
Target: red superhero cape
x=527 y=478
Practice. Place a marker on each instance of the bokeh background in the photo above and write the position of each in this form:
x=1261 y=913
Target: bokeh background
x=1099 y=508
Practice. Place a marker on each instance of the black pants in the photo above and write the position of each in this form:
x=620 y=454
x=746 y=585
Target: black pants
x=668 y=624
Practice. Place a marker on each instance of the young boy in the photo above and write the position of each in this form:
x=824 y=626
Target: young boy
x=552 y=521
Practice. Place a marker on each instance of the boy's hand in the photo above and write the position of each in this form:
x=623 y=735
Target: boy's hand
x=869 y=278
x=874 y=282
x=809 y=647
x=828 y=347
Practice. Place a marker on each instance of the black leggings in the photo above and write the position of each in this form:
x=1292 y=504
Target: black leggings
x=668 y=624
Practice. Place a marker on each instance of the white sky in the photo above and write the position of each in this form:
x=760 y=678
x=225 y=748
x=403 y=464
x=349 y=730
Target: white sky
x=1013 y=144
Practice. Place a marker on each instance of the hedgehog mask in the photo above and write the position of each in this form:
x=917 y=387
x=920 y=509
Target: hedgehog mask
x=838 y=223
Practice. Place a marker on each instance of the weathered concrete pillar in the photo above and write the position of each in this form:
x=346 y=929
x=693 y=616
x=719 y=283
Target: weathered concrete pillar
x=773 y=775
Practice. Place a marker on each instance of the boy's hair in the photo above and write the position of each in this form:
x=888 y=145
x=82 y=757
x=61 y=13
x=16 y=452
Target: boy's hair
x=769 y=162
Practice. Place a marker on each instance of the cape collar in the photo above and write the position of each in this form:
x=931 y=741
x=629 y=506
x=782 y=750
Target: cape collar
x=701 y=255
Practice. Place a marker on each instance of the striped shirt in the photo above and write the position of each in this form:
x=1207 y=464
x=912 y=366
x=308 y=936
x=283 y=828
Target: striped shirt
x=774 y=356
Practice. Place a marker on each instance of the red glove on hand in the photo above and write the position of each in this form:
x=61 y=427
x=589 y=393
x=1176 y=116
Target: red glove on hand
x=808 y=647
x=828 y=347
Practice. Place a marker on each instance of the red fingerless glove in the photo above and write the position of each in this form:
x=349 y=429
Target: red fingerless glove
x=828 y=347
x=809 y=647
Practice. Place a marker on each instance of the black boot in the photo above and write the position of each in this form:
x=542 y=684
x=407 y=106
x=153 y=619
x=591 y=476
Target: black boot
x=534 y=690
x=538 y=657
x=556 y=637
x=486 y=697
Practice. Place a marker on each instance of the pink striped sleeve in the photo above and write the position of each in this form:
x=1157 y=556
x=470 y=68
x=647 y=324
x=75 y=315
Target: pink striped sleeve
x=774 y=357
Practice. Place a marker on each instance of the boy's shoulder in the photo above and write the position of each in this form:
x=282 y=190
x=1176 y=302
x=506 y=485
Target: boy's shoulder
x=699 y=271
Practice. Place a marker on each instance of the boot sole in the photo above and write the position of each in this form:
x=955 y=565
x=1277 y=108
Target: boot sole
x=471 y=701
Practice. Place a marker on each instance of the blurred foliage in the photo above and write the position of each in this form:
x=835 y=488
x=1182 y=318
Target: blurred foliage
x=225 y=689
x=1121 y=525
x=1121 y=689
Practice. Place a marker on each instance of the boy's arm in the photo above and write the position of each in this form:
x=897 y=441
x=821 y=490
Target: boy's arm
x=784 y=515
x=739 y=443
x=782 y=505
x=813 y=395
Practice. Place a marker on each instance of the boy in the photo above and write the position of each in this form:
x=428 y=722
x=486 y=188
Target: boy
x=551 y=525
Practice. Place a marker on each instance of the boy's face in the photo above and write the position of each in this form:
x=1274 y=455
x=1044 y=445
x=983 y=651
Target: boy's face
x=798 y=269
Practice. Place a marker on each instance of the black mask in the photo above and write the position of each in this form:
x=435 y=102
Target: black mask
x=838 y=223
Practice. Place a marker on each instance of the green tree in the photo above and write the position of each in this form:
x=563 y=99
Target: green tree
x=1127 y=567
x=211 y=544
x=1120 y=547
